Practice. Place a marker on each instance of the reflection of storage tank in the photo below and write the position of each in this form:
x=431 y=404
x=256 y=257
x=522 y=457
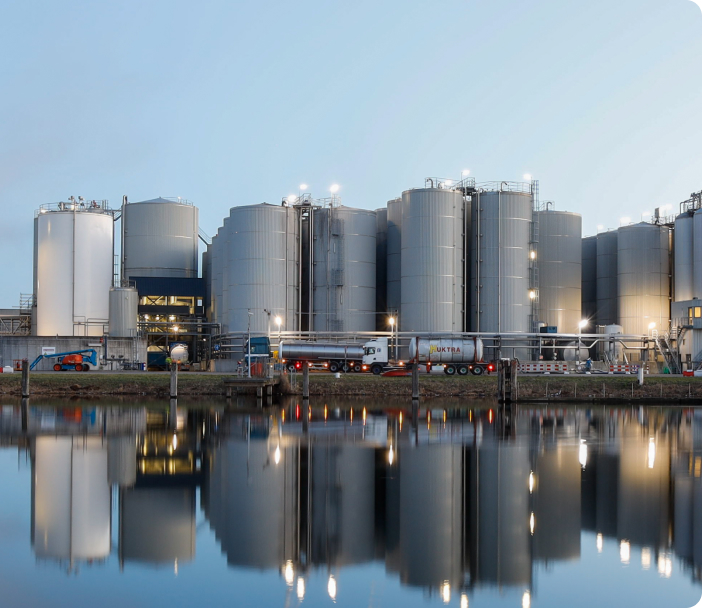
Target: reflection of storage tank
x=394 y=280
x=643 y=264
x=684 y=257
x=432 y=260
x=260 y=267
x=246 y=484
x=157 y=525
x=122 y=460
x=607 y=278
x=381 y=268
x=343 y=505
x=72 y=507
x=559 y=258
x=500 y=271
x=431 y=532
x=74 y=269
x=159 y=239
x=344 y=269
x=124 y=302
x=589 y=281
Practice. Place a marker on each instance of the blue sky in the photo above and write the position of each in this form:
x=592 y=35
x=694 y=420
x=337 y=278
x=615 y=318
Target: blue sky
x=231 y=103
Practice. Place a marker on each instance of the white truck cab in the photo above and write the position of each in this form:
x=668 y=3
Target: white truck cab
x=375 y=355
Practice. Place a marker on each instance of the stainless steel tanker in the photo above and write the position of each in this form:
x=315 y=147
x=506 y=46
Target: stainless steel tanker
x=337 y=357
x=457 y=355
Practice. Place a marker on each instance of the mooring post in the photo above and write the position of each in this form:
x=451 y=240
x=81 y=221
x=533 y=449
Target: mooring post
x=415 y=381
x=415 y=412
x=25 y=378
x=25 y=414
x=306 y=381
x=174 y=381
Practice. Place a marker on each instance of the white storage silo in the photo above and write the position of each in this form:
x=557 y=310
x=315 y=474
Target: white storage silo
x=159 y=239
x=74 y=268
x=432 y=260
x=589 y=280
x=381 y=268
x=697 y=254
x=344 y=269
x=683 y=239
x=499 y=287
x=559 y=258
x=607 y=277
x=124 y=303
x=394 y=253
x=643 y=278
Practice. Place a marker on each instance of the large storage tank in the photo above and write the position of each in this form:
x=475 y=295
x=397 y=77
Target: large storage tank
x=124 y=303
x=381 y=268
x=74 y=268
x=432 y=260
x=697 y=251
x=260 y=268
x=607 y=278
x=394 y=249
x=502 y=221
x=559 y=259
x=344 y=269
x=589 y=280
x=684 y=257
x=643 y=263
x=159 y=239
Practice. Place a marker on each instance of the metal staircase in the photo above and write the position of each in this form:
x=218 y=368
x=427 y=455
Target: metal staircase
x=666 y=345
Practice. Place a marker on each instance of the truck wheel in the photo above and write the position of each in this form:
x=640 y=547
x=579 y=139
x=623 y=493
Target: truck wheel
x=449 y=370
x=462 y=370
x=477 y=370
x=86 y=367
x=333 y=367
x=357 y=367
x=377 y=369
x=57 y=367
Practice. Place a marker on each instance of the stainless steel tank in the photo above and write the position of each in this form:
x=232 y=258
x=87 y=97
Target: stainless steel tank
x=344 y=269
x=260 y=268
x=159 y=239
x=432 y=260
x=446 y=350
x=320 y=351
x=124 y=303
x=559 y=260
x=74 y=267
x=607 y=277
x=502 y=221
x=697 y=251
x=643 y=264
x=683 y=242
x=589 y=280
x=394 y=248
x=381 y=269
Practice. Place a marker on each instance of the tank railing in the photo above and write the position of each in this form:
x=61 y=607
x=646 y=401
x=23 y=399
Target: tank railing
x=79 y=205
x=172 y=199
x=521 y=187
x=446 y=183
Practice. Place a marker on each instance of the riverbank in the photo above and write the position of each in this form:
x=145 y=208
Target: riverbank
x=658 y=389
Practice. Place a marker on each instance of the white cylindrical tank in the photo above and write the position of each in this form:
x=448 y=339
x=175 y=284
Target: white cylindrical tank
x=683 y=239
x=122 y=460
x=611 y=347
x=589 y=280
x=394 y=253
x=643 y=277
x=432 y=260
x=607 y=277
x=74 y=269
x=179 y=352
x=697 y=251
x=381 y=268
x=159 y=239
x=446 y=350
x=124 y=302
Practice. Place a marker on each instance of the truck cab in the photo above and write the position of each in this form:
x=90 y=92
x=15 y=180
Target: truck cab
x=376 y=355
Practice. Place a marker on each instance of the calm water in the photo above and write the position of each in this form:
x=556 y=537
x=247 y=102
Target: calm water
x=114 y=505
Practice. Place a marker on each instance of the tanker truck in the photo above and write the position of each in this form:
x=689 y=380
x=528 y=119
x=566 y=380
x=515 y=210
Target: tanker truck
x=335 y=357
x=456 y=355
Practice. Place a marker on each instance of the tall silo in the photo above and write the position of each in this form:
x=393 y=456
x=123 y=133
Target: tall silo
x=607 y=278
x=559 y=258
x=589 y=280
x=697 y=254
x=643 y=264
x=432 y=260
x=683 y=239
x=74 y=268
x=260 y=268
x=394 y=267
x=124 y=303
x=159 y=239
x=214 y=250
x=499 y=287
x=344 y=269
x=381 y=269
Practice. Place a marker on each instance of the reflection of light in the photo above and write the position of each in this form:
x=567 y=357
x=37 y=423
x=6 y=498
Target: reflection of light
x=531 y=482
x=300 y=588
x=175 y=567
x=175 y=441
x=464 y=600
x=364 y=415
x=334 y=188
x=665 y=565
x=491 y=416
x=446 y=592
x=600 y=543
x=532 y=524
x=391 y=455
x=582 y=454
x=276 y=456
x=645 y=558
x=624 y=552
x=400 y=421
x=289 y=573
x=331 y=587
x=651 y=453
x=526 y=600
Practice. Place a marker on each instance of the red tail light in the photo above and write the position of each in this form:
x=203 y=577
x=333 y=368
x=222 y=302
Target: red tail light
x=298 y=365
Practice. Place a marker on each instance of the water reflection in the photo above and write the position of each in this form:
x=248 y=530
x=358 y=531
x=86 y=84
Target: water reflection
x=460 y=500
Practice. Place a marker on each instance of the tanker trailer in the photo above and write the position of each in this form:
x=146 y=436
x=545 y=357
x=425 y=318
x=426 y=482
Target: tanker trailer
x=335 y=357
x=456 y=355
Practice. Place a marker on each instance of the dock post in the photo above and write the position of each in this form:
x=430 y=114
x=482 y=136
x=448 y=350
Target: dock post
x=415 y=413
x=306 y=382
x=174 y=381
x=415 y=381
x=25 y=414
x=25 y=378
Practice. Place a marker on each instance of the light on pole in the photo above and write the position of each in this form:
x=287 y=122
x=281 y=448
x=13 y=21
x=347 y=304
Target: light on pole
x=391 y=320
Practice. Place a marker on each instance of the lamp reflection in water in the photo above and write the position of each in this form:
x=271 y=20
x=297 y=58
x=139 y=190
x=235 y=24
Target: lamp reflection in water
x=624 y=551
x=531 y=482
x=600 y=543
x=276 y=455
x=300 y=588
x=651 y=453
x=464 y=600
x=582 y=454
x=526 y=600
x=289 y=573
x=391 y=455
x=446 y=592
x=331 y=587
